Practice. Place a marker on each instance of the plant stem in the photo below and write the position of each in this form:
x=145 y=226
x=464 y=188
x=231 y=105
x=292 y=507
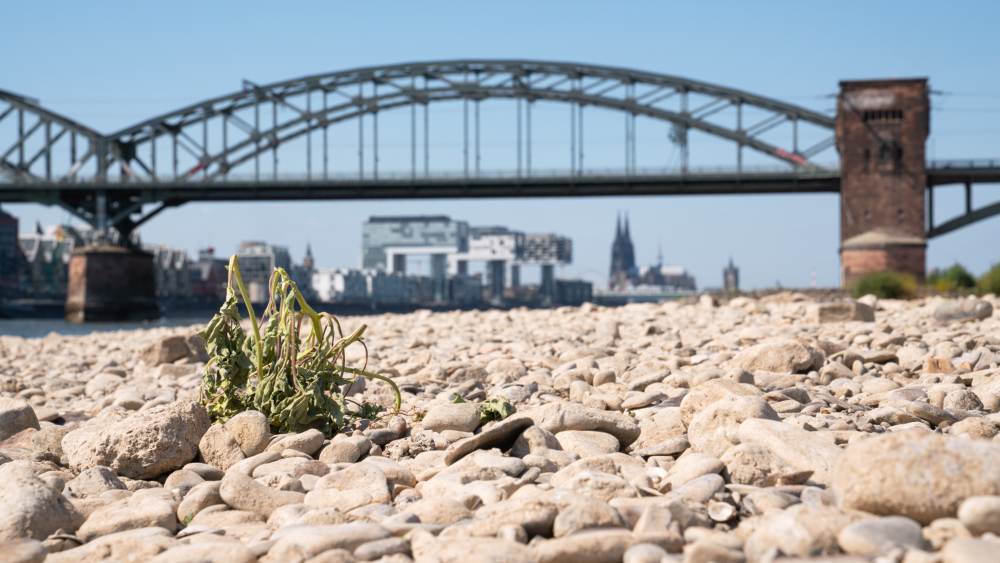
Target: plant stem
x=234 y=271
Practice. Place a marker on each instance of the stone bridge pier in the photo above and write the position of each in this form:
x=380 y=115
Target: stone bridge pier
x=881 y=130
x=111 y=283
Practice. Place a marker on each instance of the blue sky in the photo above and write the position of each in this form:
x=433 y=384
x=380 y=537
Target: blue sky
x=112 y=63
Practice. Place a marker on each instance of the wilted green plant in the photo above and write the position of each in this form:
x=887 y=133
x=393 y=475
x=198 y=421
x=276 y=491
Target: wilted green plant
x=491 y=409
x=495 y=409
x=886 y=285
x=292 y=379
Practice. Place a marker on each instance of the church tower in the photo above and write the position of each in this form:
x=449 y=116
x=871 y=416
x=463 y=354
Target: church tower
x=623 y=270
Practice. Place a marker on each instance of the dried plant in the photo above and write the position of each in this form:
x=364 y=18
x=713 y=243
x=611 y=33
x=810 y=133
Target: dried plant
x=292 y=366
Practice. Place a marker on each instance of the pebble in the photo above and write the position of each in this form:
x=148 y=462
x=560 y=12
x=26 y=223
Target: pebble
x=463 y=417
x=878 y=536
x=15 y=415
x=981 y=514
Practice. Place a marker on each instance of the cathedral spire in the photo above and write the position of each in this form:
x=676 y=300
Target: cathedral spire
x=308 y=262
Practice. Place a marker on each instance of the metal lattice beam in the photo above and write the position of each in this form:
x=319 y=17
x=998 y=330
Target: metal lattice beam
x=118 y=174
x=473 y=80
x=49 y=132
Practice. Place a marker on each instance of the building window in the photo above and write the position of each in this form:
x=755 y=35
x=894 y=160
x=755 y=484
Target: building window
x=890 y=156
x=882 y=116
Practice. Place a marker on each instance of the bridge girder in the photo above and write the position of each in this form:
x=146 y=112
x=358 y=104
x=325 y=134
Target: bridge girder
x=370 y=90
x=98 y=164
x=38 y=132
x=966 y=173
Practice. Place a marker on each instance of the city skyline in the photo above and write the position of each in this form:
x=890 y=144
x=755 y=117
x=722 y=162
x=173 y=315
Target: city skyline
x=786 y=239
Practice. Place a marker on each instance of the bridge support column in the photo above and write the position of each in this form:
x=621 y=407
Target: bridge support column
x=397 y=263
x=495 y=273
x=439 y=263
x=882 y=128
x=111 y=283
x=549 y=283
x=515 y=275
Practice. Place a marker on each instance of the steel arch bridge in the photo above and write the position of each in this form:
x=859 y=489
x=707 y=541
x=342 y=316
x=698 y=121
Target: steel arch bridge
x=213 y=150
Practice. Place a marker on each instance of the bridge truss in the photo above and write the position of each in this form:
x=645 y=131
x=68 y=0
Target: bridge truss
x=108 y=179
x=227 y=148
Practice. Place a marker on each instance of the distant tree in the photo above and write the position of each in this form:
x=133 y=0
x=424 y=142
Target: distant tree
x=990 y=281
x=886 y=285
x=951 y=280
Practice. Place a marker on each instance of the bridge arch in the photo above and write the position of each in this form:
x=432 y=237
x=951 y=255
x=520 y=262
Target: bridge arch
x=370 y=90
x=38 y=133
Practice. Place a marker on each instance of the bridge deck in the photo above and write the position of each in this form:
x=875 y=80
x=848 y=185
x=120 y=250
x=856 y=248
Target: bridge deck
x=444 y=187
x=290 y=189
x=962 y=171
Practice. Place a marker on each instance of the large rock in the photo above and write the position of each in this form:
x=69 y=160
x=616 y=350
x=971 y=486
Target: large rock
x=915 y=473
x=788 y=356
x=499 y=435
x=243 y=493
x=23 y=551
x=207 y=551
x=557 y=417
x=692 y=465
x=699 y=398
x=166 y=350
x=345 y=449
x=358 y=485
x=131 y=545
x=297 y=543
x=92 y=482
x=588 y=546
x=141 y=446
x=439 y=510
x=15 y=416
x=753 y=464
x=143 y=509
x=587 y=443
x=981 y=514
x=451 y=549
x=251 y=431
x=308 y=442
x=584 y=513
x=800 y=531
x=968 y=550
x=798 y=449
x=29 y=508
x=463 y=417
x=839 y=312
x=715 y=429
x=963 y=310
x=219 y=448
x=876 y=536
x=200 y=496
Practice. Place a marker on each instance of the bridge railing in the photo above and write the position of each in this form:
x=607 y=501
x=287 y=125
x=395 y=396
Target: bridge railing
x=963 y=163
x=459 y=175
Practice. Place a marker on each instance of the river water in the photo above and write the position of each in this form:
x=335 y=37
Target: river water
x=38 y=328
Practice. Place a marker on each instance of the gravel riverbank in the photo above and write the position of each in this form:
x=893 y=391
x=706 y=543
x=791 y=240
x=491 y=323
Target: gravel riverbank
x=754 y=430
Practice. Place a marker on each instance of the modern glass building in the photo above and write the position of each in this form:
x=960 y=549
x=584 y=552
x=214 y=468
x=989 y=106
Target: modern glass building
x=415 y=234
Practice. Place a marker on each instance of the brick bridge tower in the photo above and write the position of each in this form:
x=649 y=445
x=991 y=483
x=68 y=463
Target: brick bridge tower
x=882 y=126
